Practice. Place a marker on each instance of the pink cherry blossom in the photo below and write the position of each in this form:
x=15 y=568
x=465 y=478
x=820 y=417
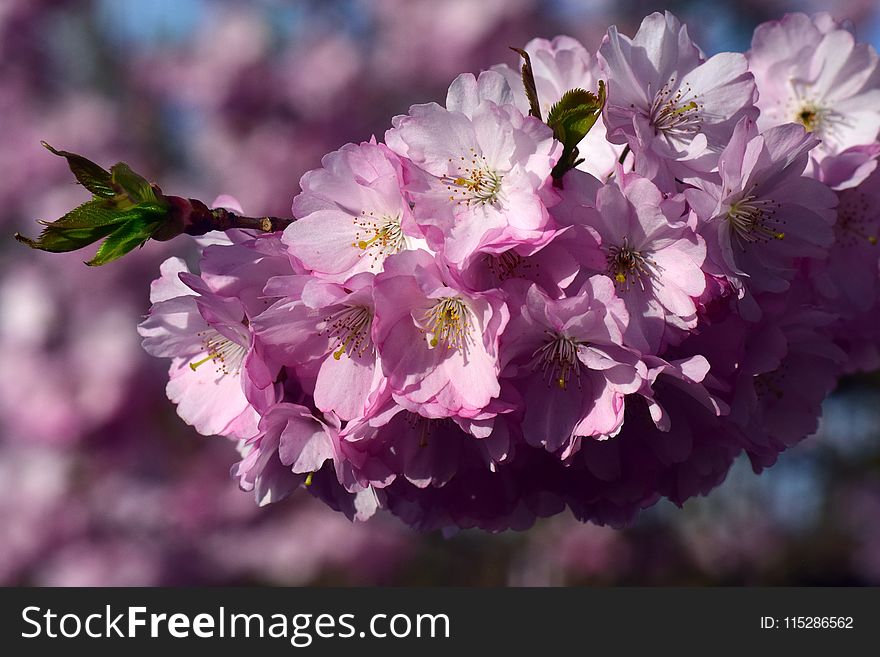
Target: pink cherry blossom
x=764 y=214
x=290 y=445
x=351 y=213
x=479 y=180
x=323 y=332
x=219 y=377
x=673 y=107
x=814 y=72
x=572 y=371
x=208 y=353
x=438 y=342
x=647 y=247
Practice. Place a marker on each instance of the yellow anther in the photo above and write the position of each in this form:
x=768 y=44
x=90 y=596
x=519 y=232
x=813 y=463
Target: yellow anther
x=194 y=366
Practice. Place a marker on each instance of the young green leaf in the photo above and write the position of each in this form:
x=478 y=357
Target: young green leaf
x=133 y=233
x=91 y=176
x=80 y=227
x=571 y=119
x=131 y=185
x=126 y=210
x=528 y=79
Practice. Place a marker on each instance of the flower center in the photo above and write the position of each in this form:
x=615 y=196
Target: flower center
x=475 y=183
x=754 y=220
x=854 y=227
x=507 y=265
x=448 y=322
x=227 y=354
x=378 y=237
x=628 y=266
x=811 y=116
x=558 y=359
x=350 y=327
x=424 y=427
x=811 y=112
x=771 y=384
x=675 y=111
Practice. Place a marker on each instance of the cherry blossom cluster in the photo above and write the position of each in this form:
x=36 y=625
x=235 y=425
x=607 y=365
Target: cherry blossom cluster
x=455 y=330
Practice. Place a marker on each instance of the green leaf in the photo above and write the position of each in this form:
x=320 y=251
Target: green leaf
x=571 y=119
x=574 y=115
x=131 y=186
x=93 y=221
x=528 y=79
x=133 y=233
x=80 y=227
x=91 y=176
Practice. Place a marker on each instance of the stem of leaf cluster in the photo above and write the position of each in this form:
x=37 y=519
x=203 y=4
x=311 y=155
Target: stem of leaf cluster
x=193 y=217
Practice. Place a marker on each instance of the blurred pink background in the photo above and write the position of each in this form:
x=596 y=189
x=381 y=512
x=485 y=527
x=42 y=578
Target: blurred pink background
x=103 y=485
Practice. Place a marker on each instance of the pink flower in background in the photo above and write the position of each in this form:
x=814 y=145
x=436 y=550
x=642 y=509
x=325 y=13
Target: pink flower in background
x=481 y=180
x=561 y=65
x=653 y=256
x=351 y=214
x=673 y=107
x=814 y=72
x=75 y=359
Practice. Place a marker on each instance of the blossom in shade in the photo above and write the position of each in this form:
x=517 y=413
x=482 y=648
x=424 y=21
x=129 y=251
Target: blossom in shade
x=812 y=71
x=571 y=368
x=765 y=214
x=553 y=268
x=480 y=173
x=351 y=213
x=674 y=108
x=291 y=445
x=791 y=366
x=652 y=254
x=848 y=276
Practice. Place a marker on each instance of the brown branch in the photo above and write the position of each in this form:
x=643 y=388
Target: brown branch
x=193 y=217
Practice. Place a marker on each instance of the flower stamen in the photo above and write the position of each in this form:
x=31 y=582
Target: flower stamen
x=448 y=322
x=558 y=360
x=384 y=236
x=351 y=329
x=628 y=266
x=227 y=354
x=476 y=183
x=677 y=114
x=754 y=220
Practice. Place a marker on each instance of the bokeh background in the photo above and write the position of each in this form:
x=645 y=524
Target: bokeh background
x=101 y=484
